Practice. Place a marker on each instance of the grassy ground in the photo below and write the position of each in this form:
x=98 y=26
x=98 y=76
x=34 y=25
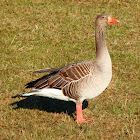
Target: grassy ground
x=40 y=34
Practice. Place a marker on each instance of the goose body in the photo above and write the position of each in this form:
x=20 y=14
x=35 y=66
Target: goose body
x=88 y=86
x=79 y=81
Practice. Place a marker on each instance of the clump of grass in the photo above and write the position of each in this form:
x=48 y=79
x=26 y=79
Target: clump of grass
x=41 y=34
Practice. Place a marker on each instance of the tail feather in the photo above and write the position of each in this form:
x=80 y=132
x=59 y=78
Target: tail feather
x=31 y=93
x=48 y=92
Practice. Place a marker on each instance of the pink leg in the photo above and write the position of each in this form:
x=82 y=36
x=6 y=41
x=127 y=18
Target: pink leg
x=79 y=113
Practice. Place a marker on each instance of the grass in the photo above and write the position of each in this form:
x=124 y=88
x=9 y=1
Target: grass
x=44 y=34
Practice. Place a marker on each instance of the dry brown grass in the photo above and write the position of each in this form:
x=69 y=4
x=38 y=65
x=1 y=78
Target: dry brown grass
x=39 y=34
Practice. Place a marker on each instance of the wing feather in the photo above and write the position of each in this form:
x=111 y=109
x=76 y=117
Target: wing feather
x=59 y=78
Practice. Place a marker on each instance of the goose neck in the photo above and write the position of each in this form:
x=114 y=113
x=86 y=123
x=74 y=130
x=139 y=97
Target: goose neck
x=101 y=47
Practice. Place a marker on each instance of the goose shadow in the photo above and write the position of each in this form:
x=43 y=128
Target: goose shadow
x=47 y=104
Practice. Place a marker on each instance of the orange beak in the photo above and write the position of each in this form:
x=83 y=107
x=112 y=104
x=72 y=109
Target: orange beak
x=112 y=21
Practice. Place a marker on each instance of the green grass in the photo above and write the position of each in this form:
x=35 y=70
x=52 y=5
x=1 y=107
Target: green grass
x=45 y=34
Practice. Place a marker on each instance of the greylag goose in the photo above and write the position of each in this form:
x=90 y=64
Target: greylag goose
x=79 y=81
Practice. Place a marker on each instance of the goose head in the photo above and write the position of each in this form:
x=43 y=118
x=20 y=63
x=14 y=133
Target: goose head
x=105 y=20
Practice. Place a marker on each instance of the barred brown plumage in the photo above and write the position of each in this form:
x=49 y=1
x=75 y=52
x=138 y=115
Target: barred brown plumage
x=65 y=75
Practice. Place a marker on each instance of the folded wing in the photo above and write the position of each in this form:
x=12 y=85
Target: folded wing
x=58 y=78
